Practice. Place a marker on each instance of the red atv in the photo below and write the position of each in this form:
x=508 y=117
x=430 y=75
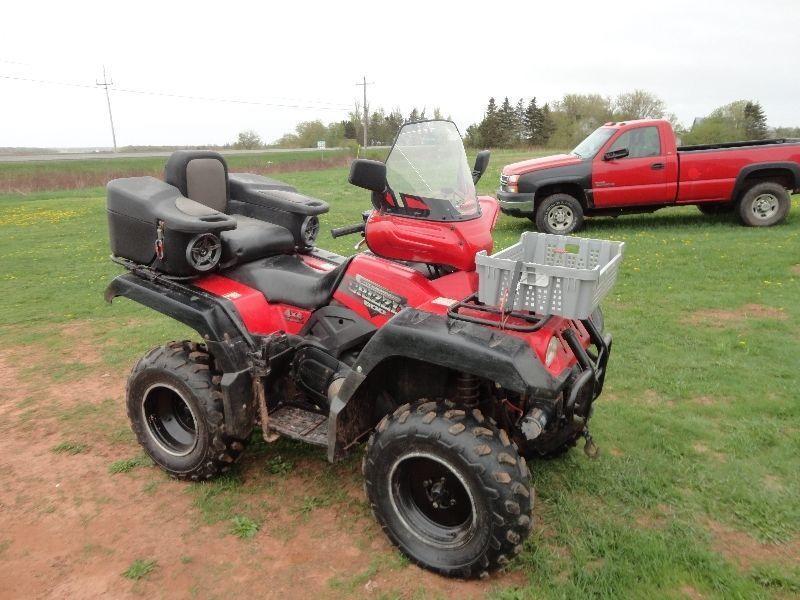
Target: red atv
x=390 y=346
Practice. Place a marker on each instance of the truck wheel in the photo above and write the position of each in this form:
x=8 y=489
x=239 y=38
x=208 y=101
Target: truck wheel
x=764 y=204
x=449 y=489
x=715 y=208
x=560 y=214
x=175 y=408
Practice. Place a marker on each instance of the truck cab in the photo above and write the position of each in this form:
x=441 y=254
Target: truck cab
x=636 y=166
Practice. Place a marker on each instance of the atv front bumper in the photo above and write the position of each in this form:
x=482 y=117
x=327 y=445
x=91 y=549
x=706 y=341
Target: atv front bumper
x=587 y=383
x=515 y=204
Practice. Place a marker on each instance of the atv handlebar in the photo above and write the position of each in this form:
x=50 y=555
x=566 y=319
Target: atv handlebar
x=348 y=229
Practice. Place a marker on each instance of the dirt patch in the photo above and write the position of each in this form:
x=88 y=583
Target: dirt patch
x=795 y=270
x=691 y=593
x=701 y=448
x=653 y=398
x=708 y=400
x=716 y=317
x=746 y=551
x=68 y=528
x=653 y=519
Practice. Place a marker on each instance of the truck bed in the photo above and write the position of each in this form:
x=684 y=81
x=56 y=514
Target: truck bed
x=743 y=144
x=709 y=172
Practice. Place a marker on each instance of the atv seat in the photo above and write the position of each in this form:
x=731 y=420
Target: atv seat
x=202 y=176
x=287 y=279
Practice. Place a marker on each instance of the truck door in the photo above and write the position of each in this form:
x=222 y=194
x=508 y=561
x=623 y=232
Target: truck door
x=636 y=179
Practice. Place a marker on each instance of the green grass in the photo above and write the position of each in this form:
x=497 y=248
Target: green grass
x=126 y=465
x=699 y=425
x=69 y=448
x=244 y=527
x=139 y=569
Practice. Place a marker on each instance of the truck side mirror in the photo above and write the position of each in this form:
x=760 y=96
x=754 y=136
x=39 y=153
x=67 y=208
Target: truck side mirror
x=368 y=174
x=481 y=162
x=615 y=154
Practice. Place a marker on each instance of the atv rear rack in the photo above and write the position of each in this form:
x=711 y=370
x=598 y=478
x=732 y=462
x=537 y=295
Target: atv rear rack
x=472 y=303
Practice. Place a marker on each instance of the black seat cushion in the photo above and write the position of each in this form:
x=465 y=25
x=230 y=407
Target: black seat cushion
x=253 y=239
x=287 y=279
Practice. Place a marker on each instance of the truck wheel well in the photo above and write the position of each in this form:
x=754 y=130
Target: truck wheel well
x=782 y=176
x=573 y=189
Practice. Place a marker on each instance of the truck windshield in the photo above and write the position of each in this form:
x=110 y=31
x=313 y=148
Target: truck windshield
x=592 y=144
x=428 y=173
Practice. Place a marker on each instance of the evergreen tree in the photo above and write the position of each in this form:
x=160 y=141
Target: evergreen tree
x=489 y=127
x=548 y=125
x=507 y=123
x=533 y=124
x=755 y=121
x=519 y=118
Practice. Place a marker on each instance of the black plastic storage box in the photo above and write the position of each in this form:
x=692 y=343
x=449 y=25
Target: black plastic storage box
x=151 y=223
x=271 y=200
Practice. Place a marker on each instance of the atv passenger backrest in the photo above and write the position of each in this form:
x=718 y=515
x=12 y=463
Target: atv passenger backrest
x=200 y=175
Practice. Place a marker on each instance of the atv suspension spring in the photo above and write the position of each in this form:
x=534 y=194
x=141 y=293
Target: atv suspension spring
x=467 y=389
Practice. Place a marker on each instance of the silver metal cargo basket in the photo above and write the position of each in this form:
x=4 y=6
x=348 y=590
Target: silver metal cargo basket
x=549 y=274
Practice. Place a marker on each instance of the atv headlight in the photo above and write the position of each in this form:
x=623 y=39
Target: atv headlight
x=552 y=349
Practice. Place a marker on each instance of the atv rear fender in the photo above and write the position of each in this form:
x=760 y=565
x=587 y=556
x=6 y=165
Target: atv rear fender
x=220 y=327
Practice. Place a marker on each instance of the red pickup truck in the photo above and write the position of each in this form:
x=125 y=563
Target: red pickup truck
x=636 y=166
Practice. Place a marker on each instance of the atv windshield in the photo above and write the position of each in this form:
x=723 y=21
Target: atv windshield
x=428 y=175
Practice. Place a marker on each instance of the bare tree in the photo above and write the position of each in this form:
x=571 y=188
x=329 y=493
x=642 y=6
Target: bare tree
x=639 y=104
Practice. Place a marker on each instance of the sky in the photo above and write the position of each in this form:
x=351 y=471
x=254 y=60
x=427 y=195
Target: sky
x=296 y=61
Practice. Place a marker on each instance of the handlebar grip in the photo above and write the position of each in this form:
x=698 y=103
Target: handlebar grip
x=348 y=229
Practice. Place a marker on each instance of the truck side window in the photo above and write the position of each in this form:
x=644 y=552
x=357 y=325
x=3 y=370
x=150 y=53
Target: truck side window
x=640 y=142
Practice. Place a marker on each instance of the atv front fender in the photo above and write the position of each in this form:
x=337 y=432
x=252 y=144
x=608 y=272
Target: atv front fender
x=457 y=345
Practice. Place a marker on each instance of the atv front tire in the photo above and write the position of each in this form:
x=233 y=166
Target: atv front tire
x=448 y=488
x=175 y=407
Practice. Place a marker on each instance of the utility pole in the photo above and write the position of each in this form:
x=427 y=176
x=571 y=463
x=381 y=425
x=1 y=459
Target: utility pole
x=365 y=83
x=104 y=84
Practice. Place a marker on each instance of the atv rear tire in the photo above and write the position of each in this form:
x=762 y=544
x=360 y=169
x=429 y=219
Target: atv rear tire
x=764 y=204
x=448 y=488
x=175 y=407
x=559 y=214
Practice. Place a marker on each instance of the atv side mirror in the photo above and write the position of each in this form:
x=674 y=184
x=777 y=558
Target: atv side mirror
x=368 y=174
x=481 y=162
x=615 y=154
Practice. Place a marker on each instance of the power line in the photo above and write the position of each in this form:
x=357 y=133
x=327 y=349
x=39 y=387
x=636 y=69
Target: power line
x=333 y=107
x=104 y=84
x=366 y=111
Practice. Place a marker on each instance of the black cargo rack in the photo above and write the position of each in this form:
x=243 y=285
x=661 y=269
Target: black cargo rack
x=472 y=303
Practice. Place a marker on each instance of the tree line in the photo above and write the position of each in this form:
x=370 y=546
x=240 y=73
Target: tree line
x=561 y=124
x=381 y=130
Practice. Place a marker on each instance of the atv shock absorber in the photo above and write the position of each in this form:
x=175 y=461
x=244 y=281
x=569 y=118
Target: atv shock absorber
x=467 y=390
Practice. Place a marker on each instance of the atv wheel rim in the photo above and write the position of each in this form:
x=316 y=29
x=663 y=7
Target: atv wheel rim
x=765 y=206
x=432 y=500
x=560 y=217
x=170 y=420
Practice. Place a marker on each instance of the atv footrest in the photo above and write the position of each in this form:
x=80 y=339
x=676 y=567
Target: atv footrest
x=300 y=424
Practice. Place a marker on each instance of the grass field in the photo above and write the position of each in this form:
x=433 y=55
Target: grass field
x=28 y=177
x=695 y=493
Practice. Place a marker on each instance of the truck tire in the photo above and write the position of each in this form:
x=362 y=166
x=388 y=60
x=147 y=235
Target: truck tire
x=764 y=204
x=448 y=488
x=560 y=214
x=174 y=405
